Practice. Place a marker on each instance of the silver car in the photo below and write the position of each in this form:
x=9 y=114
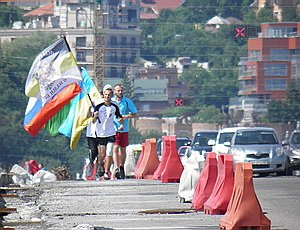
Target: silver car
x=258 y=145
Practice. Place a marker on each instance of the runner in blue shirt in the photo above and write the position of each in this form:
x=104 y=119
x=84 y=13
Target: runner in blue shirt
x=127 y=110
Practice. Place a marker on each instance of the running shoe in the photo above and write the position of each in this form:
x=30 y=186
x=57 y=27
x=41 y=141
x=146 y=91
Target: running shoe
x=101 y=169
x=89 y=169
x=105 y=176
x=117 y=174
x=122 y=172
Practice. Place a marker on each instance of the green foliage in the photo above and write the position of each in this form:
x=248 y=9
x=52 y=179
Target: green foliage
x=290 y=14
x=285 y=111
x=10 y=14
x=208 y=114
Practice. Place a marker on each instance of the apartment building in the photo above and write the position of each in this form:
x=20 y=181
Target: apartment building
x=273 y=62
x=75 y=20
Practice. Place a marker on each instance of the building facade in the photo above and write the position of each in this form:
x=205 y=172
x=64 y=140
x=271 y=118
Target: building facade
x=273 y=62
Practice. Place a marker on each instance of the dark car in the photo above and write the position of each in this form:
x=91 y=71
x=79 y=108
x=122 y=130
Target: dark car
x=180 y=141
x=292 y=151
x=200 y=141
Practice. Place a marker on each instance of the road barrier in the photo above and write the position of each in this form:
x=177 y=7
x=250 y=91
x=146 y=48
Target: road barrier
x=193 y=166
x=244 y=210
x=222 y=191
x=170 y=167
x=149 y=161
x=206 y=182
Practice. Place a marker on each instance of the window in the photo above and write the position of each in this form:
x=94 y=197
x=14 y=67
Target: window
x=123 y=41
x=255 y=137
x=80 y=41
x=275 y=69
x=81 y=18
x=145 y=107
x=254 y=55
x=123 y=57
x=81 y=56
x=132 y=42
x=113 y=41
x=113 y=72
x=113 y=57
x=275 y=84
x=133 y=57
x=280 y=54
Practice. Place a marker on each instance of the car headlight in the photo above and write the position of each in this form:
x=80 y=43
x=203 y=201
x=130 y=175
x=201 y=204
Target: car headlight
x=238 y=154
x=279 y=151
x=295 y=151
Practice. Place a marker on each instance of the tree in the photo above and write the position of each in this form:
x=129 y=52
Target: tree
x=10 y=14
x=288 y=110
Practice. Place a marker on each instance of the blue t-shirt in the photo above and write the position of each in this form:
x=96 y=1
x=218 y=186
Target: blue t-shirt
x=126 y=107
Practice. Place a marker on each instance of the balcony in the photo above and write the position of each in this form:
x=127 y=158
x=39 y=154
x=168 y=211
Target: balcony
x=119 y=60
x=245 y=60
x=123 y=45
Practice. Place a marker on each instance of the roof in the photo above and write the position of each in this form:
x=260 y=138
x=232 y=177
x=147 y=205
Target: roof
x=234 y=129
x=158 y=5
x=47 y=9
x=218 y=20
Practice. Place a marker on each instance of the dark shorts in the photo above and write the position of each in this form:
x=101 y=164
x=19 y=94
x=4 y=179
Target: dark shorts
x=122 y=139
x=105 y=140
x=93 y=143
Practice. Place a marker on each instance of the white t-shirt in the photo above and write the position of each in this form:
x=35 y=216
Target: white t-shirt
x=105 y=120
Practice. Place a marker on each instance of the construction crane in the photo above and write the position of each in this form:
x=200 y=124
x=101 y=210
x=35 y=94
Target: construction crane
x=98 y=44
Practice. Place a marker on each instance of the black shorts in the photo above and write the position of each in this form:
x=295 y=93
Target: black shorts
x=93 y=143
x=105 y=140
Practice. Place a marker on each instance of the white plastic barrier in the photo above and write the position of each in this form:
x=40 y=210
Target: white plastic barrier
x=130 y=159
x=193 y=166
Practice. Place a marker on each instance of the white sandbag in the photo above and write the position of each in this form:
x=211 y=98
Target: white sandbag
x=130 y=159
x=43 y=176
x=20 y=175
x=190 y=175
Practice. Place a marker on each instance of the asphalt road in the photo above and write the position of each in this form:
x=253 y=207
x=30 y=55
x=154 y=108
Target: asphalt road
x=143 y=204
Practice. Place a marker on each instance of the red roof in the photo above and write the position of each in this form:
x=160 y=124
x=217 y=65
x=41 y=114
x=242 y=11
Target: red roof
x=158 y=5
x=43 y=10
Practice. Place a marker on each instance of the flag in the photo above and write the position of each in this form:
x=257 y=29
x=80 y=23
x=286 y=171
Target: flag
x=51 y=84
x=82 y=112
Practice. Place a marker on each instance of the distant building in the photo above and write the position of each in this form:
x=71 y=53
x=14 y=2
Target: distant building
x=276 y=6
x=75 y=20
x=150 y=9
x=273 y=62
x=184 y=63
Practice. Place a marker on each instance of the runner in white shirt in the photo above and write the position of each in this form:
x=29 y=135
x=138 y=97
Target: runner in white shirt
x=104 y=114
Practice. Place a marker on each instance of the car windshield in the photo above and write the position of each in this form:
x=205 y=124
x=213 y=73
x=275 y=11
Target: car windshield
x=296 y=138
x=225 y=137
x=182 y=142
x=257 y=137
x=201 y=139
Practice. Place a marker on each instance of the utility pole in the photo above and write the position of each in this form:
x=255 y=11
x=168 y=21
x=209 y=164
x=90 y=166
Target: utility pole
x=98 y=44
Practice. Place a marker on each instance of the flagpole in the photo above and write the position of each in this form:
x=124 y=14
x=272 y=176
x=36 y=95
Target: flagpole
x=67 y=44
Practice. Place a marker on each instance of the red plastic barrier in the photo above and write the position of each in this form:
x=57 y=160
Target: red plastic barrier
x=165 y=155
x=206 y=182
x=173 y=167
x=244 y=210
x=222 y=191
x=149 y=161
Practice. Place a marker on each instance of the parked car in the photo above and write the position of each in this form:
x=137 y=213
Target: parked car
x=258 y=145
x=201 y=139
x=292 y=151
x=180 y=141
